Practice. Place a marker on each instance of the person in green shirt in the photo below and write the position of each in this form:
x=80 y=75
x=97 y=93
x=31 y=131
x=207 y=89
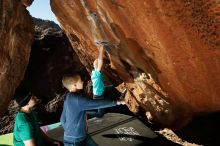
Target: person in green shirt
x=27 y=131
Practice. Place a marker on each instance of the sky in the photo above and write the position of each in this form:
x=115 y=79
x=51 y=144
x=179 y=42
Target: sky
x=41 y=9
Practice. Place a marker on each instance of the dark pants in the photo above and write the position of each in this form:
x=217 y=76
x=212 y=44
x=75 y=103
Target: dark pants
x=88 y=141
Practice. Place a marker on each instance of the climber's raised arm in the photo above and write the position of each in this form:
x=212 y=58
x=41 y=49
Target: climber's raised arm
x=100 y=58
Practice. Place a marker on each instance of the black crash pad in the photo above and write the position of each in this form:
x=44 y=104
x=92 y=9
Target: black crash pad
x=114 y=129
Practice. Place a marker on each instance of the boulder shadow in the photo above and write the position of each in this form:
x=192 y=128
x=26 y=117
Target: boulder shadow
x=203 y=130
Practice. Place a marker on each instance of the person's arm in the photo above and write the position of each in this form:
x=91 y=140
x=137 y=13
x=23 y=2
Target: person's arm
x=100 y=58
x=89 y=104
x=26 y=133
x=30 y=142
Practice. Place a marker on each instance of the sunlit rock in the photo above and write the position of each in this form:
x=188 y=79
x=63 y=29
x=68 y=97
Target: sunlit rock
x=173 y=44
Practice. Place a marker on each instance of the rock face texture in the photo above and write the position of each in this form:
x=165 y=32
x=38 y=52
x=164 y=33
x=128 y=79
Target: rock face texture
x=51 y=57
x=166 y=52
x=16 y=35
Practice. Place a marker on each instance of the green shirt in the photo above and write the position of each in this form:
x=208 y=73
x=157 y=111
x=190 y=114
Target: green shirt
x=25 y=128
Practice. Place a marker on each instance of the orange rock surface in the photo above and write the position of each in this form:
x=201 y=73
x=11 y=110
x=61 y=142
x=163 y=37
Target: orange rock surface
x=166 y=52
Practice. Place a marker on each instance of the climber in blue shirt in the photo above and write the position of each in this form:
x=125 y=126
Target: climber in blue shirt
x=74 y=117
x=97 y=76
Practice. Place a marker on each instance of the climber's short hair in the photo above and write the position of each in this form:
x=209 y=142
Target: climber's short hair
x=70 y=79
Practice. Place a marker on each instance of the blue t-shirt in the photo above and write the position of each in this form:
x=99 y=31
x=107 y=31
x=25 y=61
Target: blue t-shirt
x=73 y=118
x=97 y=78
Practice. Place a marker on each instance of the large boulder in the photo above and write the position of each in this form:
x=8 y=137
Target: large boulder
x=16 y=36
x=166 y=52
